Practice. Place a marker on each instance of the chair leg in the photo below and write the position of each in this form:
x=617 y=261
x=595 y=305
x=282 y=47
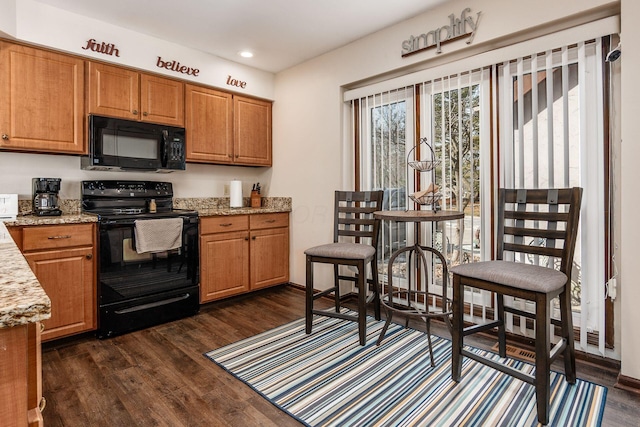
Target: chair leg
x=309 y=296
x=502 y=336
x=433 y=364
x=567 y=334
x=336 y=284
x=456 y=332
x=376 y=288
x=362 y=303
x=543 y=341
x=384 y=328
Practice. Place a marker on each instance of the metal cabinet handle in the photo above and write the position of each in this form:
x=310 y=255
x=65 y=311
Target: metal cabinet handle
x=66 y=236
x=5 y=136
x=246 y=238
x=270 y=221
x=145 y=114
x=89 y=256
x=135 y=112
x=226 y=224
x=253 y=238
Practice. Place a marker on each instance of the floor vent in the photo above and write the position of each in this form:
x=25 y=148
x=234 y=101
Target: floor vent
x=513 y=351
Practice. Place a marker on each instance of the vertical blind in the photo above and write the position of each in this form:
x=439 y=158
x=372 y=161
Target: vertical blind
x=385 y=133
x=551 y=135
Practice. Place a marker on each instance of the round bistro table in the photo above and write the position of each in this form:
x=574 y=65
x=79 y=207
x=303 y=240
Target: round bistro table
x=413 y=302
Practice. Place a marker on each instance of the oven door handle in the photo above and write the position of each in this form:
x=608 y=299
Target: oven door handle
x=152 y=304
x=126 y=222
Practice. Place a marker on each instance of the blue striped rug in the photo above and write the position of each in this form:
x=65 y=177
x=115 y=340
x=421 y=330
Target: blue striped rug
x=328 y=379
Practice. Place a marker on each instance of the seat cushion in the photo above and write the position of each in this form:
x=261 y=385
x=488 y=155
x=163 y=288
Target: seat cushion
x=342 y=250
x=515 y=274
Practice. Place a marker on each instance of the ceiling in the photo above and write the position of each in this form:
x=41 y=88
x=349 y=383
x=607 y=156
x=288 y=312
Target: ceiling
x=280 y=33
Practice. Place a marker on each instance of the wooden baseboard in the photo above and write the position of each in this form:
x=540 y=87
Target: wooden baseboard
x=628 y=383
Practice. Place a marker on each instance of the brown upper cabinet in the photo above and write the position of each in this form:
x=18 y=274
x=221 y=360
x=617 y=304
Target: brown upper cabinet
x=209 y=125
x=227 y=129
x=42 y=98
x=120 y=92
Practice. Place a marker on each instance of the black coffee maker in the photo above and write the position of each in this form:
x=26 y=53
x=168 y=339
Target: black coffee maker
x=45 y=196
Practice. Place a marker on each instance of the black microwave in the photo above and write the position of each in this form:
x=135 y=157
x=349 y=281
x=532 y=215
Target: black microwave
x=119 y=144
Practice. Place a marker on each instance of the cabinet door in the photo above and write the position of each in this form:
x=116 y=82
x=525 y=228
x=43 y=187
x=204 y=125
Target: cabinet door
x=34 y=383
x=67 y=276
x=224 y=266
x=269 y=257
x=113 y=91
x=209 y=126
x=42 y=98
x=14 y=403
x=161 y=100
x=252 y=131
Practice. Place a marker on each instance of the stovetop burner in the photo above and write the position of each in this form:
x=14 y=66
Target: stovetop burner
x=130 y=200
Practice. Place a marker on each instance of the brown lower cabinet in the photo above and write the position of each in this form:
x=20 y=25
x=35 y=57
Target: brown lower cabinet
x=242 y=253
x=62 y=258
x=21 y=404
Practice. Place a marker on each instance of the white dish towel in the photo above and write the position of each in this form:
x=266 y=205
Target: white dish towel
x=158 y=235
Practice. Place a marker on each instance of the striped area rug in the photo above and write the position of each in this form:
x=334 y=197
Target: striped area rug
x=328 y=379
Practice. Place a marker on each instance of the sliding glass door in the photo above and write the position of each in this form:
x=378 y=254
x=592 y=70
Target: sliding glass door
x=531 y=122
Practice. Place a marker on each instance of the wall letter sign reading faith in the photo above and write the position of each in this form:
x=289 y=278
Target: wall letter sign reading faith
x=105 y=48
x=457 y=28
x=177 y=67
x=237 y=83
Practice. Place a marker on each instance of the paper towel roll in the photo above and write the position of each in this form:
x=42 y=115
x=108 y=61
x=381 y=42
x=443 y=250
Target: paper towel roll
x=235 y=191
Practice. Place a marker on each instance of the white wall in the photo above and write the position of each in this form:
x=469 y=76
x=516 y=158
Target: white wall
x=17 y=169
x=8 y=18
x=629 y=291
x=41 y=24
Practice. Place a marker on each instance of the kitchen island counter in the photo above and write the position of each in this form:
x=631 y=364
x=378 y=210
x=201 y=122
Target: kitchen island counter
x=22 y=299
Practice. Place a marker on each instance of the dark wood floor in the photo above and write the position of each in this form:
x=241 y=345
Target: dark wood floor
x=159 y=376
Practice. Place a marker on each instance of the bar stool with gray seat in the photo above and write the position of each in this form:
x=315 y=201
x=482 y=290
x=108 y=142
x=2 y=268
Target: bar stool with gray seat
x=534 y=227
x=355 y=239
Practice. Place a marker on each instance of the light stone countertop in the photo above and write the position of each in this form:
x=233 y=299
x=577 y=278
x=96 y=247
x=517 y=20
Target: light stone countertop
x=22 y=299
x=76 y=218
x=238 y=211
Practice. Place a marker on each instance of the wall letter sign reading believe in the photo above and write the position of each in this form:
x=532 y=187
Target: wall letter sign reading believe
x=106 y=48
x=175 y=66
x=456 y=29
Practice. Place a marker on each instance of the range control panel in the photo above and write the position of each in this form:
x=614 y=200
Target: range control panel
x=127 y=189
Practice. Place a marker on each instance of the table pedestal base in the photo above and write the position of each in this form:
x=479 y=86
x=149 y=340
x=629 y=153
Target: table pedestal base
x=407 y=302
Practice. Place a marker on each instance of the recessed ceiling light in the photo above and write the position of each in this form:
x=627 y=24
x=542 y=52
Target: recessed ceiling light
x=245 y=54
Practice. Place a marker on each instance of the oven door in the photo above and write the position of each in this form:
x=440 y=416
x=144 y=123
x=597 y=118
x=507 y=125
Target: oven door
x=138 y=290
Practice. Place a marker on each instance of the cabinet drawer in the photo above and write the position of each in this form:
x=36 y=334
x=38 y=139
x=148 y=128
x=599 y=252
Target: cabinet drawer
x=56 y=236
x=269 y=220
x=222 y=224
